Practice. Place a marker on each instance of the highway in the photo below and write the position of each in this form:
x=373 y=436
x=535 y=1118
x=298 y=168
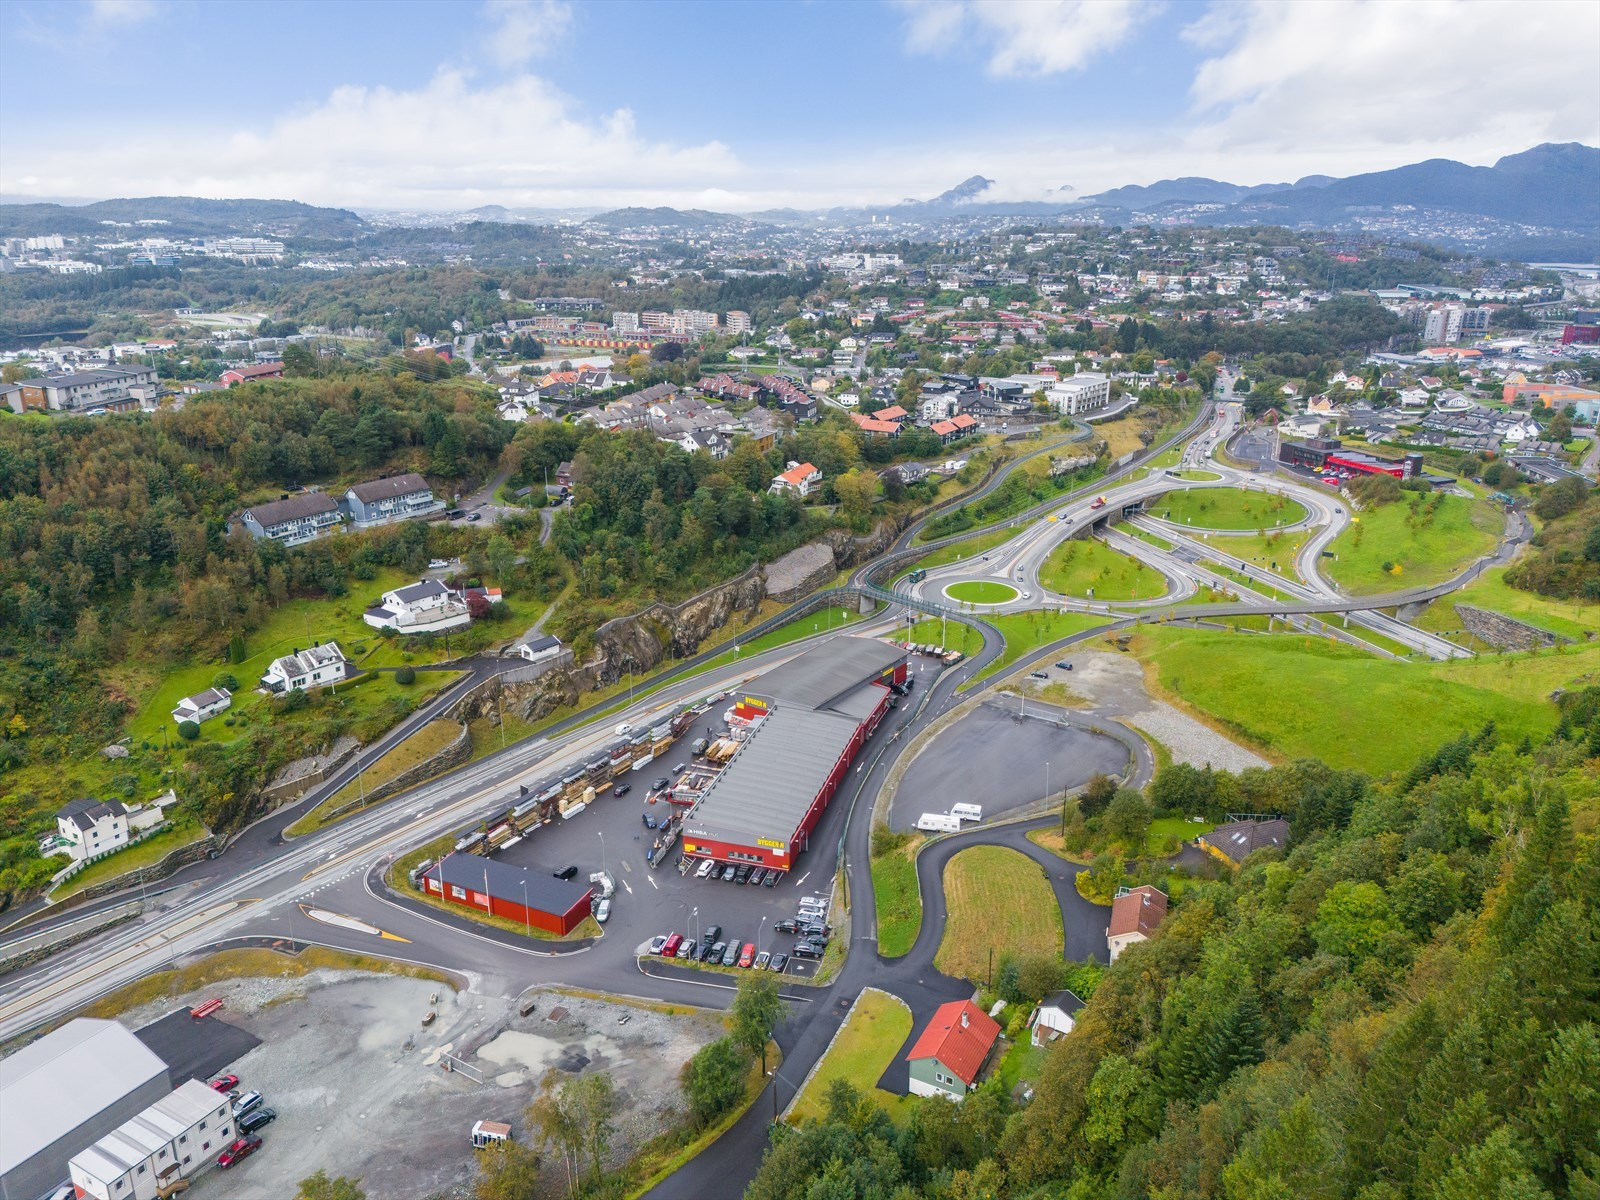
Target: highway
x=267 y=888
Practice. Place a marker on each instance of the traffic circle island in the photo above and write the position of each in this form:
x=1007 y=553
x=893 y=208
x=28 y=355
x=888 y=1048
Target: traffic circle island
x=981 y=591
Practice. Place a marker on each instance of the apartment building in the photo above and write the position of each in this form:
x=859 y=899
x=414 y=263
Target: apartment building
x=294 y=519
x=1080 y=393
x=112 y=389
x=395 y=498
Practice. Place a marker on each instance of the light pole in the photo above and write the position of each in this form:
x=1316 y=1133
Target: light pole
x=696 y=915
x=527 y=918
x=761 y=930
x=773 y=1075
x=602 y=836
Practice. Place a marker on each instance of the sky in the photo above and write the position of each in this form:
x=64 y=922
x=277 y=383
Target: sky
x=451 y=104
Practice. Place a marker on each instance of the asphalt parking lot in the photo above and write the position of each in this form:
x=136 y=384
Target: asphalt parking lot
x=995 y=760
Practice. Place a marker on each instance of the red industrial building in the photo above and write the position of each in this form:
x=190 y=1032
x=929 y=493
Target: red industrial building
x=527 y=897
x=808 y=719
x=1328 y=452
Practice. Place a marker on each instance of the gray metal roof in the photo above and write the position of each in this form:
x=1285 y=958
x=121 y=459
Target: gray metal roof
x=43 y=1091
x=295 y=508
x=390 y=488
x=821 y=676
x=422 y=590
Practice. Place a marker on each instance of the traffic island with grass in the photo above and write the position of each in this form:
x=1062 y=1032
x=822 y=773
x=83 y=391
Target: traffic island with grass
x=894 y=890
x=998 y=900
x=1086 y=569
x=1413 y=542
x=981 y=591
x=1227 y=508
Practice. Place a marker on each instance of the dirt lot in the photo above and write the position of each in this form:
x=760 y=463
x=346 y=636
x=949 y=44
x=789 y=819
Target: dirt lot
x=360 y=1089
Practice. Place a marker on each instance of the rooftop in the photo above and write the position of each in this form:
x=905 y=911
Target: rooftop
x=293 y=508
x=137 y=1138
x=1138 y=910
x=823 y=675
x=959 y=1035
x=391 y=488
x=506 y=882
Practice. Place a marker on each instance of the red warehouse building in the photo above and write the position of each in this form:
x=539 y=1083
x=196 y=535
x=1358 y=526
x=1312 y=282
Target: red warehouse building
x=515 y=893
x=810 y=717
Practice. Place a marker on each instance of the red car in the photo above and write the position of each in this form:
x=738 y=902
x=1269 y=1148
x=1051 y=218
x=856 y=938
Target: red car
x=748 y=956
x=239 y=1151
x=225 y=1083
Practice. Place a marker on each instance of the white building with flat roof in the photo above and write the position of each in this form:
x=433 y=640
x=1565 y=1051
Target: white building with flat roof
x=1083 y=392
x=174 y=1138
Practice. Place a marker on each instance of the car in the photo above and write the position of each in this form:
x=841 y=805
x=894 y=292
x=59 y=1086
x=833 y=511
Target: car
x=729 y=872
x=1040 y=674
x=474 y=516
x=224 y=1083
x=772 y=877
x=622 y=789
x=239 y=1151
x=660 y=785
x=602 y=911
x=687 y=949
x=806 y=950
x=748 y=954
x=705 y=868
x=762 y=960
x=779 y=963
x=1064 y=665
x=246 y=1102
x=262 y=1117
x=678 y=768
x=785 y=927
x=911 y=682
x=453 y=514
x=670 y=949
x=815 y=901
x=1027 y=595
x=657 y=942
x=713 y=933
x=623 y=730
x=717 y=951
x=741 y=873
x=570 y=871
x=708 y=950
x=438 y=564
x=649 y=821
x=731 y=954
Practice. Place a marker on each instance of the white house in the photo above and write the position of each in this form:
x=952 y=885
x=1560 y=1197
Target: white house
x=1083 y=392
x=1055 y=1017
x=175 y=1138
x=539 y=647
x=801 y=479
x=202 y=706
x=88 y=829
x=426 y=606
x=317 y=667
x=1415 y=397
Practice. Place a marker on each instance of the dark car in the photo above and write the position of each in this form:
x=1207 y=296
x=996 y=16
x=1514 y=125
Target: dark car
x=474 y=516
x=239 y=1151
x=660 y=784
x=729 y=872
x=779 y=963
x=741 y=873
x=911 y=682
x=731 y=954
x=786 y=927
x=717 y=951
x=1040 y=674
x=567 y=872
x=713 y=933
x=622 y=789
x=649 y=821
x=1065 y=666
x=772 y=877
x=708 y=951
x=251 y=1122
x=806 y=950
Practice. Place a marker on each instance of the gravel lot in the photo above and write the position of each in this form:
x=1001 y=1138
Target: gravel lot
x=360 y=1089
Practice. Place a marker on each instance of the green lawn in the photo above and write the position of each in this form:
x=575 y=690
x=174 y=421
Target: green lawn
x=999 y=899
x=817 y=622
x=1293 y=696
x=1399 y=546
x=896 y=898
x=865 y=1045
x=971 y=547
x=1080 y=566
x=1568 y=618
x=1261 y=549
x=981 y=591
x=1026 y=632
x=952 y=635
x=185 y=829
x=430 y=739
x=1227 y=508
x=1165 y=830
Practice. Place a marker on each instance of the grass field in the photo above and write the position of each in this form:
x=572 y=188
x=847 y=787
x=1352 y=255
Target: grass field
x=1261 y=549
x=1026 y=632
x=1227 y=508
x=865 y=1045
x=153 y=849
x=1568 y=618
x=971 y=547
x=430 y=739
x=981 y=591
x=1293 y=696
x=895 y=896
x=1389 y=548
x=1079 y=566
x=998 y=899
x=1122 y=436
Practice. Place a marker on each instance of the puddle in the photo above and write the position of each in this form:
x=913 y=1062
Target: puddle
x=535 y=1054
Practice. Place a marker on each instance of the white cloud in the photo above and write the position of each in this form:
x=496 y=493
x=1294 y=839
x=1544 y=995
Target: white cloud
x=1024 y=37
x=121 y=12
x=1359 y=80
x=521 y=30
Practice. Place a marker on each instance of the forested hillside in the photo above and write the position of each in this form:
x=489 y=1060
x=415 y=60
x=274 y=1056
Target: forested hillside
x=1565 y=557
x=1403 y=1006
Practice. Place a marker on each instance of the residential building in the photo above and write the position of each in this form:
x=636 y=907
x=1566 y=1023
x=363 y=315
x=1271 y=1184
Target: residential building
x=294 y=519
x=113 y=389
x=88 y=829
x=949 y=1056
x=426 y=606
x=957 y=427
x=175 y=1138
x=395 y=498
x=738 y=322
x=539 y=647
x=238 y=375
x=1055 y=1017
x=625 y=322
x=1234 y=842
x=801 y=479
x=1080 y=393
x=202 y=706
x=1135 y=913
x=318 y=666
x=60 y=1093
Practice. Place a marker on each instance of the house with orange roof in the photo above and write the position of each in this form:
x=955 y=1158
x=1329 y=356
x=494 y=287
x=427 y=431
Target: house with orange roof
x=801 y=478
x=953 y=1050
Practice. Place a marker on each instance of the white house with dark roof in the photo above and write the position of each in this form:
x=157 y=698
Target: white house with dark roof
x=1055 y=1017
x=294 y=519
x=88 y=829
x=318 y=666
x=426 y=606
x=202 y=706
x=395 y=498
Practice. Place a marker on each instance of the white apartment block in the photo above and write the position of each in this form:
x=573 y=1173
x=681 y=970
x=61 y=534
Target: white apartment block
x=625 y=322
x=1083 y=392
x=738 y=322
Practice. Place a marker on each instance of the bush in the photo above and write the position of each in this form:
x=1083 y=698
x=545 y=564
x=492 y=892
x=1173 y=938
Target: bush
x=188 y=730
x=713 y=1080
x=405 y=675
x=225 y=679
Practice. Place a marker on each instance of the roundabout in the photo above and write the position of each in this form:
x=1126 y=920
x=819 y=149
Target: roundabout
x=981 y=591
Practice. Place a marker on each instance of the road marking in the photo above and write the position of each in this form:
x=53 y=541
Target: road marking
x=352 y=923
x=802 y=879
x=653 y=882
x=626 y=888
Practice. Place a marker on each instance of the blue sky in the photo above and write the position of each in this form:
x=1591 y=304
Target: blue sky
x=433 y=104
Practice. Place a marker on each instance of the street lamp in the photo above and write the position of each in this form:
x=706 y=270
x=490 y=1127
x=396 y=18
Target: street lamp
x=760 y=932
x=527 y=918
x=601 y=832
x=696 y=916
x=773 y=1075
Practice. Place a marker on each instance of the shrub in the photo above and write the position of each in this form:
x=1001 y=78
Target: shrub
x=405 y=675
x=188 y=730
x=230 y=722
x=225 y=679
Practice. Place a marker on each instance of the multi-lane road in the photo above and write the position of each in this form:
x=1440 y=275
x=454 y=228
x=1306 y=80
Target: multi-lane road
x=265 y=886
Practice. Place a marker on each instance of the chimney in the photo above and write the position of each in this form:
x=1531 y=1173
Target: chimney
x=964 y=1020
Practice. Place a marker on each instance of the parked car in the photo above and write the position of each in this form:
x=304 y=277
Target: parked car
x=225 y=1083
x=779 y=963
x=1040 y=674
x=748 y=954
x=757 y=876
x=246 y=1102
x=649 y=821
x=762 y=960
x=602 y=910
x=567 y=872
x=670 y=949
x=622 y=789
x=731 y=954
x=741 y=873
x=806 y=950
x=686 y=950
x=729 y=872
x=705 y=868
x=474 y=516
x=911 y=682
x=772 y=877
x=717 y=952
x=713 y=933
x=657 y=942
x=262 y=1117
x=708 y=951
x=239 y=1151
x=1065 y=666
x=660 y=784
x=785 y=927
x=438 y=564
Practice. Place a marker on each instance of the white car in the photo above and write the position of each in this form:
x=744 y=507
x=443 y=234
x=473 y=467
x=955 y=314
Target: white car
x=438 y=564
x=623 y=730
x=602 y=911
x=704 y=868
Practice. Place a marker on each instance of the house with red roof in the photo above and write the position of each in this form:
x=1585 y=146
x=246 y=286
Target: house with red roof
x=949 y=1057
x=1135 y=913
x=873 y=426
x=237 y=375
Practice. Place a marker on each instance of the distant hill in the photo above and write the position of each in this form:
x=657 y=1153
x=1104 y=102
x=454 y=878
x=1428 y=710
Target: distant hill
x=185 y=216
x=666 y=218
x=1187 y=190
